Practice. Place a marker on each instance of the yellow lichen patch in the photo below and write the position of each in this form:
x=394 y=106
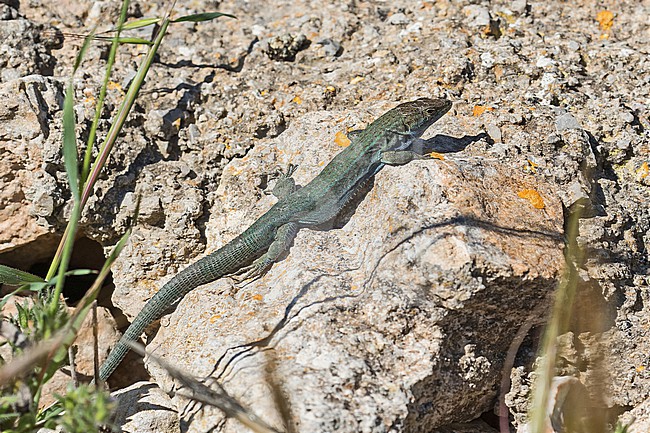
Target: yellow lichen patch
x=112 y=85
x=480 y=109
x=236 y=171
x=258 y=297
x=297 y=99
x=531 y=166
x=341 y=139
x=214 y=318
x=605 y=19
x=330 y=89
x=640 y=368
x=357 y=79
x=533 y=197
x=436 y=155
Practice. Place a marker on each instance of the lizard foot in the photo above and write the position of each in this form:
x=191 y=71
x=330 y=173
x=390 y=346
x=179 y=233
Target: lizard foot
x=252 y=272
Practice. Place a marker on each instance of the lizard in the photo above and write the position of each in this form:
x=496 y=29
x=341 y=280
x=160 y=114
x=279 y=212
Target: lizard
x=388 y=140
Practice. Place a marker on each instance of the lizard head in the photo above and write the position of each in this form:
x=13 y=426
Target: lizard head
x=418 y=115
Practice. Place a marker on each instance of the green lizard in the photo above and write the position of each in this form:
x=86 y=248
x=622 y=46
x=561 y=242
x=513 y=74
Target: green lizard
x=385 y=141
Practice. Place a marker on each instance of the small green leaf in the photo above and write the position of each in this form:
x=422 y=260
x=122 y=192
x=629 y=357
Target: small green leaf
x=69 y=136
x=81 y=272
x=136 y=24
x=16 y=277
x=206 y=16
x=37 y=287
x=74 y=272
x=139 y=41
x=70 y=142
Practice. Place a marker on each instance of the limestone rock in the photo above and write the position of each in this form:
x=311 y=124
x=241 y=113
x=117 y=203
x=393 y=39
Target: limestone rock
x=29 y=193
x=144 y=408
x=400 y=317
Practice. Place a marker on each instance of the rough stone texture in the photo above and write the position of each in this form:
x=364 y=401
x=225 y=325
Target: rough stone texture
x=30 y=163
x=638 y=418
x=473 y=427
x=143 y=407
x=107 y=335
x=399 y=319
x=26 y=46
x=562 y=95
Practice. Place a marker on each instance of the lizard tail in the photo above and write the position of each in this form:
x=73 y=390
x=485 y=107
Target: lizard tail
x=152 y=310
x=210 y=268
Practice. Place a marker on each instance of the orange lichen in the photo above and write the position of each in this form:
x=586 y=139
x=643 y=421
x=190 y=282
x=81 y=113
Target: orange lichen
x=531 y=166
x=605 y=19
x=480 y=109
x=533 y=197
x=436 y=155
x=297 y=99
x=341 y=139
x=258 y=297
x=112 y=85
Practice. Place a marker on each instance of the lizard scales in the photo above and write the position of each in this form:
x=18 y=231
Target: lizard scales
x=384 y=142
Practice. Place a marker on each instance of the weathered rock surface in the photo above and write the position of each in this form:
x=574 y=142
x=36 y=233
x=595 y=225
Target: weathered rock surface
x=30 y=166
x=561 y=89
x=400 y=318
x=26 y=46
x=143 y=407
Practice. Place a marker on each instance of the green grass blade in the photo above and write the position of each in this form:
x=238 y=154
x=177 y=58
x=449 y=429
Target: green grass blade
x=136 y=24
x=82 y=52
x=557 y=325
x=123 y=112
x=136 y=41
x=70 y=157
x=92 y=133
x=206 y=16
x=8 y=296
x=70 y=230
x=66 y=254
x=75 y=272
x=86 y=302
x=70 y=143
x=15 y=277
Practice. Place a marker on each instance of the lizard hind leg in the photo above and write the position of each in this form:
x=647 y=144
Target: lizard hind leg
x=280 y=245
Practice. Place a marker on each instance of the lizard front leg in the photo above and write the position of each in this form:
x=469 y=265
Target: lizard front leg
x=285 y=184
x=400 y=157
x=281 y=243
